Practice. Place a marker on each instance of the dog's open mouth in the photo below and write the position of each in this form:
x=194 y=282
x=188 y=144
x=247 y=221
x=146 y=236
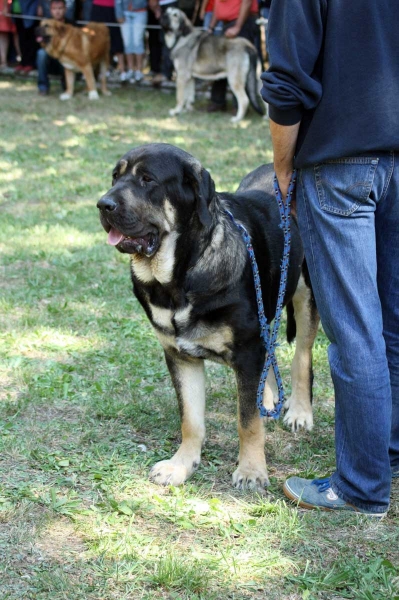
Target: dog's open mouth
x=144 y=244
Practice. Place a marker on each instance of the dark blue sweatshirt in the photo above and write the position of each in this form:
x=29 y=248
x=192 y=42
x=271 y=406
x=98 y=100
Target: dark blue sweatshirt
x=334 y=66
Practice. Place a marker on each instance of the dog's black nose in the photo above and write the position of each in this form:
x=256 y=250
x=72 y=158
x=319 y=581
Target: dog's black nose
x=106 y=203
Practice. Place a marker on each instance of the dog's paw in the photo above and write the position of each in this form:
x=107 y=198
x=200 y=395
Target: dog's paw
x=93 y=95
x=174 y=111
x=250 y=478
x=107 y=93
x=298 y=417
x=236 y=119
x=65 y=96
x=167 y=472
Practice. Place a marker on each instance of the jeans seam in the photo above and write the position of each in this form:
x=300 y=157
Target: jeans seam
x=385 y=190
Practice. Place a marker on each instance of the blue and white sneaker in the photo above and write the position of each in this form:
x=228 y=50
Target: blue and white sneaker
x=318 y=493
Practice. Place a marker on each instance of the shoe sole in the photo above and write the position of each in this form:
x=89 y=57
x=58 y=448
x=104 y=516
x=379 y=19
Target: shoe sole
x=308 y=506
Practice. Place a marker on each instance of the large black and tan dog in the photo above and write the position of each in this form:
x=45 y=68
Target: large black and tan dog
x=192 y=275
x=197 y=53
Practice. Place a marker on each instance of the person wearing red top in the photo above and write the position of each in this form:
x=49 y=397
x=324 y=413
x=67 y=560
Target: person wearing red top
x=6 y=28
x=239 y=20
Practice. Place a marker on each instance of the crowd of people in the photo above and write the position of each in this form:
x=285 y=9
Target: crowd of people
x=135 y=34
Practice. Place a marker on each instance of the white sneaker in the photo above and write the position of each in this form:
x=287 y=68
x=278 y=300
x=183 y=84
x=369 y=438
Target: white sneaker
x=138 y=76
x=123 y=77
x=126 y=75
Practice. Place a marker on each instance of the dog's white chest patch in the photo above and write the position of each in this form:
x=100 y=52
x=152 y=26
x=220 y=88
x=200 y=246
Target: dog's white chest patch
x=199 y=340
x=161 y=266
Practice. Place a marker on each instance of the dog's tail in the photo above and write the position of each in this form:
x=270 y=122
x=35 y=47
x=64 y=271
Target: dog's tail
x=251 y=85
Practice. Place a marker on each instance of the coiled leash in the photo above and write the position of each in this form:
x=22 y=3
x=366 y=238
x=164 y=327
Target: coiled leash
x=270 y=338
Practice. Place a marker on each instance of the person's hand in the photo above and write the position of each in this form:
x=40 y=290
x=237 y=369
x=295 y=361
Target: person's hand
x=120 y=21
x=232 y=32
x=40 y=11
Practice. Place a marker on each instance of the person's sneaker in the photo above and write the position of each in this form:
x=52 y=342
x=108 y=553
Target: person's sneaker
x=44 y=92
x=318 y=493
x=138 y=76
x=6 y=70
x=125 y=76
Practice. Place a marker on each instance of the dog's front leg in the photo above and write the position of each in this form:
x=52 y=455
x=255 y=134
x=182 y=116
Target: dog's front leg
x=188 y=378
x=181 y=92
x=70 y=84
x=252 y=471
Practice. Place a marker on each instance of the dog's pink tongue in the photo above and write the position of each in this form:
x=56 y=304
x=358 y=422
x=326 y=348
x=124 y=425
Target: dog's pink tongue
x=114 y=237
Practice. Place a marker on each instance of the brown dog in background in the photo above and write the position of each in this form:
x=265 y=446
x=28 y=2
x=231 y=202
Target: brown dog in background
x=78 y=50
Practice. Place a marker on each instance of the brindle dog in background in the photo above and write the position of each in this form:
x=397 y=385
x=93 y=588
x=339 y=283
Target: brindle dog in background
x=192 y=275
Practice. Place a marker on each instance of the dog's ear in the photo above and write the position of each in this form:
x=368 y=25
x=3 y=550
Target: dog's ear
x=185 y=25
x=204 y=189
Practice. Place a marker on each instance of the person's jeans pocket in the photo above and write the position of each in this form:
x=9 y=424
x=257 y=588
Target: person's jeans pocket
x=344 y=184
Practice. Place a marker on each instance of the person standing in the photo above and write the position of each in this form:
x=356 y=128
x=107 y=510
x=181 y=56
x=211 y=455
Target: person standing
x=334 y=116
x=46 y=64
x=26 y=33
x=7 y=28
x=103 y=11
x=132 y=15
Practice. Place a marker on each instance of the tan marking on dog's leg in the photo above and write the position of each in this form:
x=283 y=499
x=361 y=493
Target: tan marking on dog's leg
x=70 y=84
x=252 y=470
x=189 y=380
x=270 y=393
x=299 y=413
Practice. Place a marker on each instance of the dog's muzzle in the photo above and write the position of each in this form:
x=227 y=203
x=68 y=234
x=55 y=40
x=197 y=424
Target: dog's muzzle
x=142 y=241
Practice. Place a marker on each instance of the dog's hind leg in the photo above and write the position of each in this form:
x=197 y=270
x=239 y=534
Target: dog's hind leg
x=103 y=79
x=236 y=77
x=190 y=94
x=251 y=472
x=299 y=405
x=188 y=378
x=90 y=82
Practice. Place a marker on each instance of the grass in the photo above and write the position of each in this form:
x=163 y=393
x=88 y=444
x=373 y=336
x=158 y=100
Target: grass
x=86 y=404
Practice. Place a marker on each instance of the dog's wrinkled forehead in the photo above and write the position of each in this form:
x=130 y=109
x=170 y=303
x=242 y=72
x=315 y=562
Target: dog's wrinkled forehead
x=162 y=160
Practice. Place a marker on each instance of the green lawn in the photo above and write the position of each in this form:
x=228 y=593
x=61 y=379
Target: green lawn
x=86 y=404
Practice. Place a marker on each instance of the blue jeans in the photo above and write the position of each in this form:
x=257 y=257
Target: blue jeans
x=47 y=65
x=133 y=30
x=348 y=214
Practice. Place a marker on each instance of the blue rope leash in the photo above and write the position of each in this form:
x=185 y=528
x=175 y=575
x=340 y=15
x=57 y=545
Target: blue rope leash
x=270 y=338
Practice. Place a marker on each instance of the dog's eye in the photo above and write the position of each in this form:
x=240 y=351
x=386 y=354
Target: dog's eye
x=146 y=178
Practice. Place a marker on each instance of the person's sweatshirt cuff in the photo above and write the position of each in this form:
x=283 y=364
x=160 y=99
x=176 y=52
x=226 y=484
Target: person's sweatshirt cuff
x=291 y=116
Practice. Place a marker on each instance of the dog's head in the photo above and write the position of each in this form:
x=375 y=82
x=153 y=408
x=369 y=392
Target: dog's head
x=156 y=189
x=175 y=21
x=48 y=32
